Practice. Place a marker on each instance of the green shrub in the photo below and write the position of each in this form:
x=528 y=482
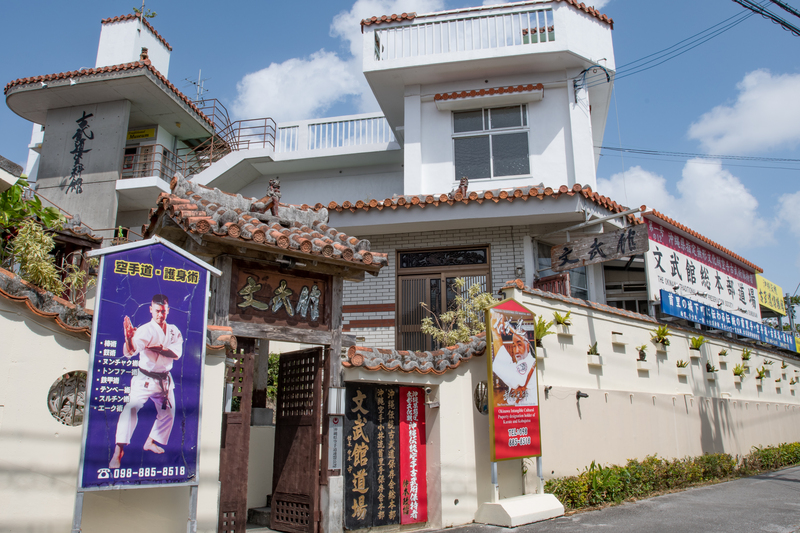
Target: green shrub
x=599 y=484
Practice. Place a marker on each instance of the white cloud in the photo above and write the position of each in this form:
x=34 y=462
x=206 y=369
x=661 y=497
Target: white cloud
x=765 y=116
x=304 y=88
x=708 y=199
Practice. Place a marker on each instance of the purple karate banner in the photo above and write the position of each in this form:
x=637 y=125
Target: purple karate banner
x=143 y=398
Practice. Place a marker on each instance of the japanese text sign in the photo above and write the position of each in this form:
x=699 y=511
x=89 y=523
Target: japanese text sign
x=599 y=248
x=675 y=262
x=770 y=295
x=514 y=402
x=675 y=305
x=143 y=394
x=385 y=456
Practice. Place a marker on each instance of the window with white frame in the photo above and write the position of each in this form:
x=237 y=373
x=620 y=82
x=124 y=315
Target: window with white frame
x=491 y=143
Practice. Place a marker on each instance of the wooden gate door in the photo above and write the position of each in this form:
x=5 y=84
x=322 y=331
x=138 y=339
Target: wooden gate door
x=295 y=482
x=235 y=447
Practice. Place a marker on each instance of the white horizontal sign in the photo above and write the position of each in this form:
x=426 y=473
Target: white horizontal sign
x=675 y=262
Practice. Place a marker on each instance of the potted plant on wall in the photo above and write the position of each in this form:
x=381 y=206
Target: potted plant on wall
x=562 y=322
x=760 y=375
x=723 y=353
x=695 y=343
x=746 y=354
x=738 y=373
x=642 y=352
x=681 y=364
x=593 y=356
x=660 y=336
x=541 y=329
x=711 y=370
x=768 y=363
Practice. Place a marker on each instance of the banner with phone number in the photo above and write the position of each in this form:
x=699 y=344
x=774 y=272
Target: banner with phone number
x=143 y=397
x=514 y=389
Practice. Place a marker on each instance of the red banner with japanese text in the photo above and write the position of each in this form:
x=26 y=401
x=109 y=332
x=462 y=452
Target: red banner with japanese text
x=514 y=401
x=413 y=467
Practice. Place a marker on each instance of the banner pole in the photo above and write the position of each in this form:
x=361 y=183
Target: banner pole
x=191 y=525
x=77 y=516
x=540 y=473
x=495 y=487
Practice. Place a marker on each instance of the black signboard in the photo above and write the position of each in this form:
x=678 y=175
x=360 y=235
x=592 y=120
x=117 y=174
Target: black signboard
x=372 y=456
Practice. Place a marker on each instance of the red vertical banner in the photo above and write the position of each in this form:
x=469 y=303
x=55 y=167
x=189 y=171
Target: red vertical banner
x=413 y=464
x=514 y=400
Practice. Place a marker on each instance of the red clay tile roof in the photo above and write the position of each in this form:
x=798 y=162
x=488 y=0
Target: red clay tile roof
x=113 y=68
x=74 y=226
x=132 y=16
x=76 y=320
x=704 y=239
x=388 y=18
x=494 y=195
x=486 y=92
x=436 y=362
x=202 y=210
x=410 y=16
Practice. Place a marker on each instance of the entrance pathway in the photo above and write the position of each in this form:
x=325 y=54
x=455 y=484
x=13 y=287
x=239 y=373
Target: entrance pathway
x=768 y=502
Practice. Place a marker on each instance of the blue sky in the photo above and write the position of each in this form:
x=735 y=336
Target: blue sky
x=733 y=95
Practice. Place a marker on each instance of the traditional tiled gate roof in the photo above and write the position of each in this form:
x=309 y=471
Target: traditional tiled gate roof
x=201 y=210
x=433 y=362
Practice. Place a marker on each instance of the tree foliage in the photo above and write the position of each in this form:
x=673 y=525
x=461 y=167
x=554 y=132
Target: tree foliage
x=31 y=249
x=465 y=318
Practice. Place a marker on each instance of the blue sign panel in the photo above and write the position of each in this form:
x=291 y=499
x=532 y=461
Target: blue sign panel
x=143 y=398
x=675 y=305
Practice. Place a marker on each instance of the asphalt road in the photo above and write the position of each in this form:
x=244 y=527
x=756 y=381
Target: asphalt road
x=768 y=503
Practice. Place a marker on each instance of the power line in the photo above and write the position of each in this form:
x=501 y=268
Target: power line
x=681 y=47
x=684 y=161
x=643 y=151
x=766 y=13
x=786 y=7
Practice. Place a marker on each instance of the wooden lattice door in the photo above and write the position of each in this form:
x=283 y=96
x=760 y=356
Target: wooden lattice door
x=296 y=467
x=235 y=446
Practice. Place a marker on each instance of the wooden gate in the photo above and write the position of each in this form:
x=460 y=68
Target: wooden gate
x=296 y=468
x=235 y=447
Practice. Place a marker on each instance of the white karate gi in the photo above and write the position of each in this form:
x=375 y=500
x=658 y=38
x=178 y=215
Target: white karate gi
x=145 y=388
x=515 y=375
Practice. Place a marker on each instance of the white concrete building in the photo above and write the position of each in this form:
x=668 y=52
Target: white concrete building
x=514 y=98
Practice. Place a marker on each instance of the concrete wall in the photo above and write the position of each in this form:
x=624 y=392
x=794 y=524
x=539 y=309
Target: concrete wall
x=39 y=455
x=634 y=413
x=630 y=413
x=259 y=465
x=334 y=184
x=552 y=129
x=97 y=204
x=122 y=42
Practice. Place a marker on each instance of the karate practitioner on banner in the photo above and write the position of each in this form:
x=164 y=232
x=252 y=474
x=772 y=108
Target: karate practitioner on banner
x=158 y=345
x=515 y=364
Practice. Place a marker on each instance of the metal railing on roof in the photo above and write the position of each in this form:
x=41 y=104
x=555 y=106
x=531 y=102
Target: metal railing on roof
x=359 y=130
x=465 y=33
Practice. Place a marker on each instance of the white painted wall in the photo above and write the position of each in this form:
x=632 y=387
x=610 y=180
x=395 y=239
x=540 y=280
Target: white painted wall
x=122 y=42
x=335 y=184
x=630 y=413
x=39 y=455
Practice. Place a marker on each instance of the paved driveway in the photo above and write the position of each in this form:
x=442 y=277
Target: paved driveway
x=768 y=503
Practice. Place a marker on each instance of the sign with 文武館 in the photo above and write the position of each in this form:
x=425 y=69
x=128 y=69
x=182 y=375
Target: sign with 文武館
x=599 y=248
x=261 y=295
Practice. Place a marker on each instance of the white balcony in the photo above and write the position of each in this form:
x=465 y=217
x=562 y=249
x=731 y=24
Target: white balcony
x=308 y=145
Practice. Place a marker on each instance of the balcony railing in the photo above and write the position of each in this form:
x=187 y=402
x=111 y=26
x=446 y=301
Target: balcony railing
x=339 y=133
x=151 y=160
x=465 y=33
